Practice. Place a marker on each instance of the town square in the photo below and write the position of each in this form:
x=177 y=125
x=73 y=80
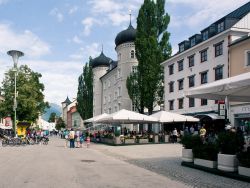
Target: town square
x=114 y=93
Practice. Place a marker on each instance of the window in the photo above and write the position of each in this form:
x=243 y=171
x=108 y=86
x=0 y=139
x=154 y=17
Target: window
x=109 y=111
x=203 y=55
x=109 y=83
x=180 y=83
x=119 y=91
x=192 y=42
x=182 y=48
x=109 y=97
x=205 y=35
x=220 y=27
x=191 y=81
x=133 y=107
x=119 y=73
x=248 y=58
x=203 y=102
x=191 y=61
x=171 y=69
x=191 y=102
x=171 y=105
x=180 y=65
x=218 y=73
x=134 y=69
x=180 y=101
x=132 y=54
x=218 y=49
x=105 y=100
x=171 y=87
x=115 y=95
x=203 y=77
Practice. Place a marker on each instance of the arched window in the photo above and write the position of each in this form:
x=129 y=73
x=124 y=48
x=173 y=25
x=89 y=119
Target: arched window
x=132 y=54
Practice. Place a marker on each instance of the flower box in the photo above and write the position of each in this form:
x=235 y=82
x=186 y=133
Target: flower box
x=228 y=163
x=244 y=171
x=143 y=140
x=129 y=141
x=187 y=155
x=205 y=163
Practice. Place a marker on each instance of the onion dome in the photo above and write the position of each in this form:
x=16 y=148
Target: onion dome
x=101 y=60
x=127 y=35
x=67 y=101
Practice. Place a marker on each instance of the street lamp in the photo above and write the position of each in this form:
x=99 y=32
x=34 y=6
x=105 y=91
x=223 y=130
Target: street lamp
x=15 y=55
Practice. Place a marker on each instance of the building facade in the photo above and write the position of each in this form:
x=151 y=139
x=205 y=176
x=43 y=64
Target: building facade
x=202 y=59
x=239 y=56
x=109 y=77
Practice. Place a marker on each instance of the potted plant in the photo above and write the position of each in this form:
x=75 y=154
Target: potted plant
x=188 y=142
x=205 y=154
x=229 y=143
x=244 y=162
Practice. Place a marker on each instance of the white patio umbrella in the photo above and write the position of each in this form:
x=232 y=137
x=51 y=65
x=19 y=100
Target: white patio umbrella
x=95 y=118
x=236 y=88
x=126 y=117
x=168 y=117
x=5 y=127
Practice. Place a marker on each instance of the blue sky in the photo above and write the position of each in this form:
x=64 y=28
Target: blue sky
x=58 y=36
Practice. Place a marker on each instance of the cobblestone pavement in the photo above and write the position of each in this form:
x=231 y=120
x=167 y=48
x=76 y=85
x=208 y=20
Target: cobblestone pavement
x=165 y=159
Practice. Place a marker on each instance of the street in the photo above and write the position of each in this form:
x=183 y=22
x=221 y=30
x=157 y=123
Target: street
x=101 y=166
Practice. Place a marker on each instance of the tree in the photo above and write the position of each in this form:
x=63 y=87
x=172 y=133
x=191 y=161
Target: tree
x=85 y=92
x=152 y=47
x=30 y=98
x=60 y=124
x=52 y=117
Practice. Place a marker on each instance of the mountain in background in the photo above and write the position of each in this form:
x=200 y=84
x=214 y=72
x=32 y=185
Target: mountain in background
x=53 y=108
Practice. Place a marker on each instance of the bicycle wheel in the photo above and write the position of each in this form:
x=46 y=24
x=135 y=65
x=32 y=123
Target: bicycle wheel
x=5 y=142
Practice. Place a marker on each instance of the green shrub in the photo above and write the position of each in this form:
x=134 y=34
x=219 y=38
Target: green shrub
x=230 y=142
x=207 y=151
x=244 y=158
x=189 y=141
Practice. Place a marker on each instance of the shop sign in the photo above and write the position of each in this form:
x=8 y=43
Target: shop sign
x=221 y=108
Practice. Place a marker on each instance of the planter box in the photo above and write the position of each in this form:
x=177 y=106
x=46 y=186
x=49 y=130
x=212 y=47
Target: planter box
x=244 y=171
x=166 y=138
x=206 y=163
x=143 y=140
x=187 y=155
x=228 y=163
x=129 y=141
x=156 y=139
x=117 y=140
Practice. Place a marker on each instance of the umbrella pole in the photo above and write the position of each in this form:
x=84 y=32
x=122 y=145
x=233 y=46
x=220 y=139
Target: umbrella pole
x=227 y=110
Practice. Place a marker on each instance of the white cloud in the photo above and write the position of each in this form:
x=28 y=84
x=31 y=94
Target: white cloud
x=73 y=9
x=76 y=40
x=115 y=12
x=203 y=11
x=88 y=24
x=25 y=41
x=3 y=1
x=83 y=53
x=55 y=12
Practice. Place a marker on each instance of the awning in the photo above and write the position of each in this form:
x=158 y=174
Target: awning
x=236 y=88
x=210 y=116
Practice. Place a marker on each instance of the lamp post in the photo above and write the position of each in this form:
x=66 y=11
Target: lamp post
x=15 y=55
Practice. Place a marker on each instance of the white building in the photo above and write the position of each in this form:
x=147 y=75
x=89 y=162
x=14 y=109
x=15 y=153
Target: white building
x=202 y=59
x=109 y=77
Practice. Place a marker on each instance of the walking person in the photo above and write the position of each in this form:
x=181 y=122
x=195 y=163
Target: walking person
x=203 y=133
x=175 y=134
x=72 y=138
x=66 y=136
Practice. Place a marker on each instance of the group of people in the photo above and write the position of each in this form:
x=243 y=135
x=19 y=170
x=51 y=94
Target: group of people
x=75 y=138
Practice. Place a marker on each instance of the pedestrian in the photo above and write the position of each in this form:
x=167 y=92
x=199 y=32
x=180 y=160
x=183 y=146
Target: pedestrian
x=203 y=133
x=72 y=138
x=66 y=136
x=175 y=134
x=88 y=141
x=81 y=140
x=192 y=129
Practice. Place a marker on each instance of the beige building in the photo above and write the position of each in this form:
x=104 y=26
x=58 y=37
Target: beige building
x=239 y=58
